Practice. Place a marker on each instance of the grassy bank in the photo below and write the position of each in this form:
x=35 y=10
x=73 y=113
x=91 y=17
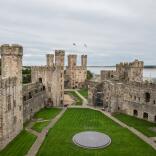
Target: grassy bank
x=139 y=124
x=20 y=145
x=45 y=114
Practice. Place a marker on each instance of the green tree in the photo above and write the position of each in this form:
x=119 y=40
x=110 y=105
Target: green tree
x=89 y=75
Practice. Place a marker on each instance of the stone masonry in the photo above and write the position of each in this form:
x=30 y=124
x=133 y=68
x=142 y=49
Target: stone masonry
x=11 y=103
x=124 y=90
x=76 y=75
x=52 y=77
x=18 y=103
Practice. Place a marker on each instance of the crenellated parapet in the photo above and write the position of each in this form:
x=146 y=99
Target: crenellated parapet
x=43 y=68
x=13 y=49
x=143 y=85
x=136 y=64
x=59 y=52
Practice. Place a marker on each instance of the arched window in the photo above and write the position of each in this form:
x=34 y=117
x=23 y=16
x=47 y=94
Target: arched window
x=147 y=97
x=145 y=115
x=30 y=95
x=40 y=80
x=135 y=112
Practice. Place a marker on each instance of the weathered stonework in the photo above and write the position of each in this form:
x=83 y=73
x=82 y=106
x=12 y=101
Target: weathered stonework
x=34 y=96
x=76 y=75
x=11 y=104
x=52 y=77
x=124 y=91
x=18 y=103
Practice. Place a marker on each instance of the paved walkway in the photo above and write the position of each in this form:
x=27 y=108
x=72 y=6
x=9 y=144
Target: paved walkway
x=85 y=101
x=41 y=136
x=133 y=130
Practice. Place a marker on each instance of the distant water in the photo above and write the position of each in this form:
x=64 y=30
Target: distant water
x=148 y=72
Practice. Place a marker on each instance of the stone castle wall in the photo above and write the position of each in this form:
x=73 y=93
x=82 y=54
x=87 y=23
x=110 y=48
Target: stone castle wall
x=123 y=90
x=34 y=98
x=18 y=103
x=11 y=110
x=52 y=77
x=76 y=75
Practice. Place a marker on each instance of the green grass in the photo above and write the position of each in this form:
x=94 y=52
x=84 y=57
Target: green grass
x=84 y=92
x=59 y=139
x=20 y=145
x=45 y=114
x=139 y=124
x=39 y=126
x=76 y=97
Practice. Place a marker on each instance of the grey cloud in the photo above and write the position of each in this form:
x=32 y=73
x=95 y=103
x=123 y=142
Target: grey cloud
x=113 y=30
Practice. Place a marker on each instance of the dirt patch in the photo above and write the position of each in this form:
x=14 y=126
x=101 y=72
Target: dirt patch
x=68 y=99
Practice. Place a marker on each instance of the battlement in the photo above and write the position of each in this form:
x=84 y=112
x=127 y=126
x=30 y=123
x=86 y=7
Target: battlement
x=83 y=56
x=13 y=49
x=134 y=64
x=43 y=68
x=59 y=52
x=72 y=56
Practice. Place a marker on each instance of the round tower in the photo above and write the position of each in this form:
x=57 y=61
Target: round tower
x=59 y=58
x=50 y=60
x=11 y=61
x=84 y=60
x=12 y=101
x=72 y=60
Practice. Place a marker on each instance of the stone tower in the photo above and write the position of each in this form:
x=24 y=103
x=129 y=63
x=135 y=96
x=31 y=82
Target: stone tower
x=72 y=61
x=50 y=60
x=59 y=64
x=84 y=60
x=135 y=72
x=11 y=110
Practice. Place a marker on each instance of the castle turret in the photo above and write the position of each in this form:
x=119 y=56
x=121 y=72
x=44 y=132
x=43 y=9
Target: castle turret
x=59 y=63
x=136 y=71
x=11 y=110
x=50 y=60
x=11 y=61
x=59 y=58
x=72 y=60
x=84 y=60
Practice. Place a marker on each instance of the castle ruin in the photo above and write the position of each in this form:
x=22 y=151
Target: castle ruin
x=123 y=90
x=76 y=75
x=19 y=102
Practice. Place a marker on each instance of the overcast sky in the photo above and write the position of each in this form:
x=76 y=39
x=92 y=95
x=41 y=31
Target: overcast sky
x=114 y=30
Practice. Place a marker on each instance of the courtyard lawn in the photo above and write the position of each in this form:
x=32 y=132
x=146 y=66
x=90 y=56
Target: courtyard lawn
x=45 y=114
x=59 y=139
x=139 y=124
x=39 y=126
x=84 y=92
x=20 y=145
x=78 y=100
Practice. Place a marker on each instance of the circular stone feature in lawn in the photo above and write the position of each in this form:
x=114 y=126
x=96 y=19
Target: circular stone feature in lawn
x=91 y=139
